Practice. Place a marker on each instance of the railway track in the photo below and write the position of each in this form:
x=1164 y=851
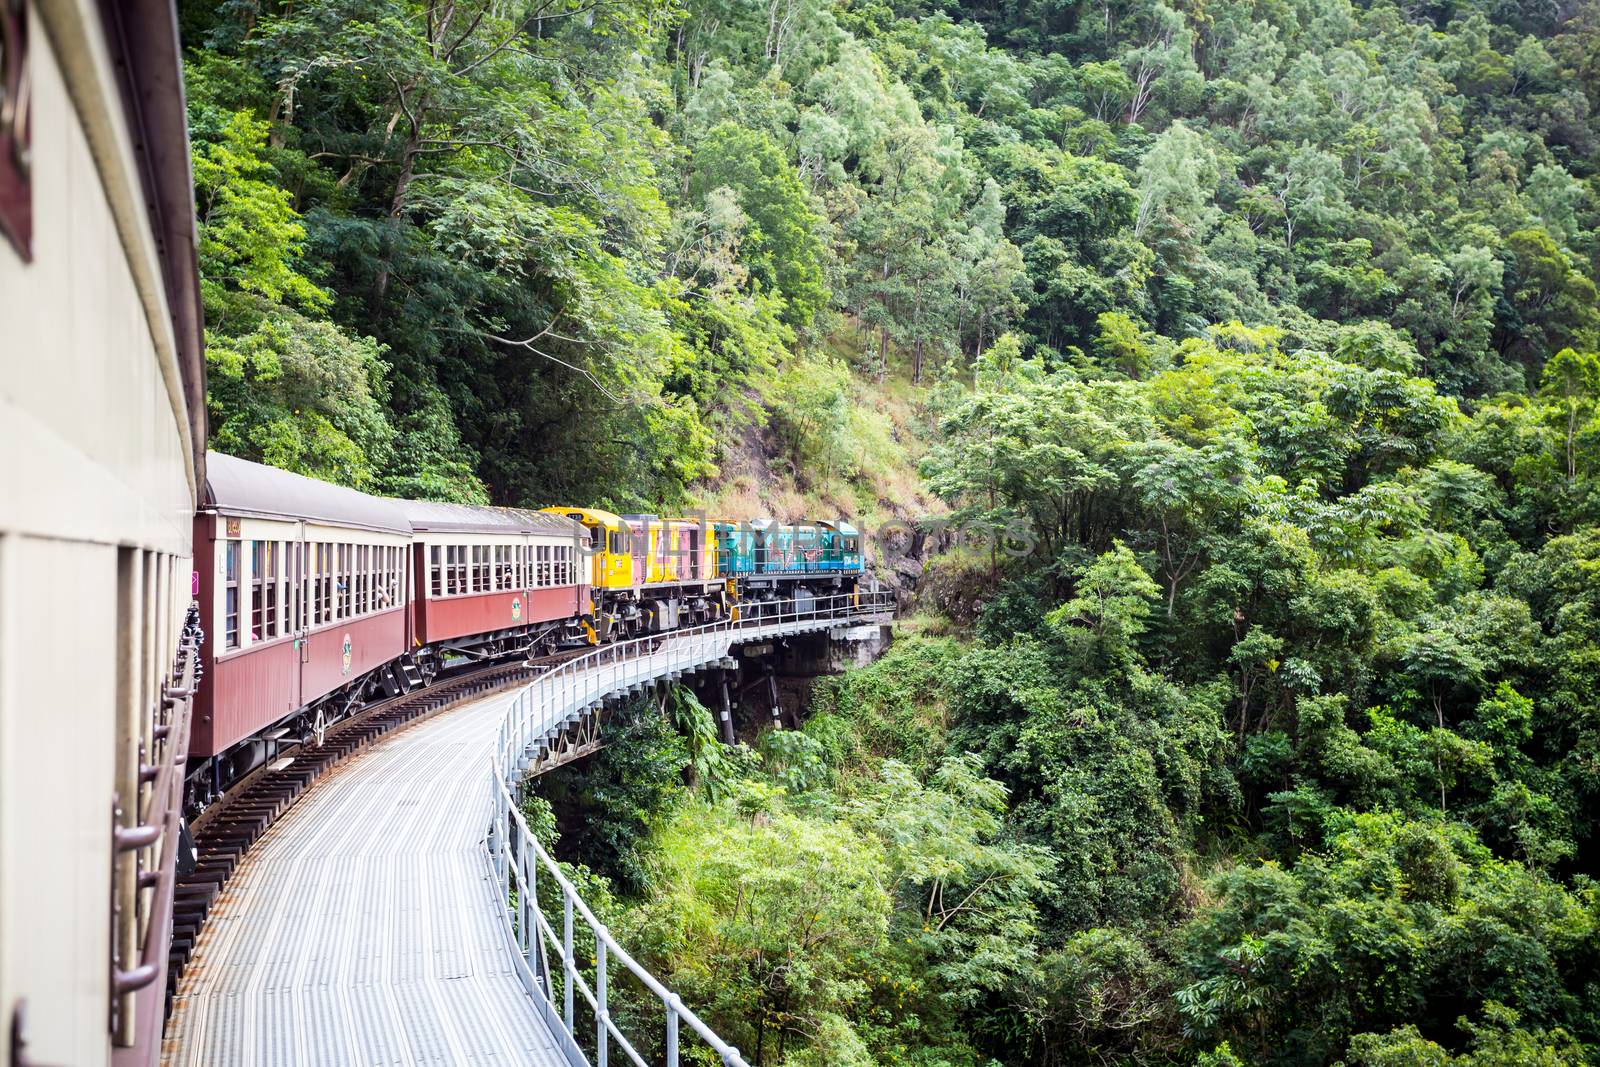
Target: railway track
x=227 y=830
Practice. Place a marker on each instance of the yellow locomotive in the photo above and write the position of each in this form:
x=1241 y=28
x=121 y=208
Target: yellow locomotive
x=647 y=574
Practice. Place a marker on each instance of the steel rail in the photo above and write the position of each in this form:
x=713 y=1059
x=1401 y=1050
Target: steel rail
x=536 y=718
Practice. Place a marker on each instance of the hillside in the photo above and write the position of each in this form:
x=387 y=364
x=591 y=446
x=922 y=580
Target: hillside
x=1254 y=347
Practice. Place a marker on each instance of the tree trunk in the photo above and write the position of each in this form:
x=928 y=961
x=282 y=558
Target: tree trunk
x=397 y=204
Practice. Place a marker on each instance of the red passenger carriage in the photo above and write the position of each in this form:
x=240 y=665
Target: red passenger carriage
x=494 y=581
x=303 y=595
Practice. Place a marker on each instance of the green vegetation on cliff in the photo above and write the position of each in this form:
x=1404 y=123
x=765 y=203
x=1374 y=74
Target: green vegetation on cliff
x=1264 y=331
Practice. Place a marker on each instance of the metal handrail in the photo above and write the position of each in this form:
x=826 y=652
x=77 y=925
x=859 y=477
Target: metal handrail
x=151 y=834
x=536 y=716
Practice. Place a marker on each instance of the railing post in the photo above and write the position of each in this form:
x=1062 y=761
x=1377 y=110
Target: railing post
x=569 y=964
x=602 y=1016
x=523 y=887
x=672 y=1030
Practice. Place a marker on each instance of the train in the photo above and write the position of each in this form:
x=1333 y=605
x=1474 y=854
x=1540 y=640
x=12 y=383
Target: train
x=319 y=600
x=102 y=452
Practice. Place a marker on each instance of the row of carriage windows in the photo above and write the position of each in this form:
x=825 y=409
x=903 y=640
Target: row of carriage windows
x=300 y=585
x=458 y=570
x=297 y=585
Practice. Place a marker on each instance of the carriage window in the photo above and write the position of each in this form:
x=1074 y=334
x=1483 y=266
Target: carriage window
x=335 y=582
x=332 y=581
x=264 y=582
x=341 y=582
x=294 y=602
x=315 y=570
x=230 y=565
x=324 y=568
x=258 y=602
x=436 y=570
x=314 y=582
x=480 y=569
x=272 y=625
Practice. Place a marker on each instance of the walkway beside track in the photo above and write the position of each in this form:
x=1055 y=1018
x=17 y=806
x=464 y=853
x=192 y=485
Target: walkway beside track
x=364 y=927
x=369 y=925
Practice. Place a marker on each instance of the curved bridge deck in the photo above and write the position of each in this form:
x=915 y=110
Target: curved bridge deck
x=363 y=928
x=368 y=926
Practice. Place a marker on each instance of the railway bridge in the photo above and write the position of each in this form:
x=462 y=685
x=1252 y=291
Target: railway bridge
x=403 y=913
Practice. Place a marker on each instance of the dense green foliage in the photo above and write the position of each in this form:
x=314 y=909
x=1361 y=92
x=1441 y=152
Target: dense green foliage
x=1258 y=342
x=564 y=250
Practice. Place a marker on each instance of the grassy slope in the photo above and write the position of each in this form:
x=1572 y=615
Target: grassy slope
x=874 y=476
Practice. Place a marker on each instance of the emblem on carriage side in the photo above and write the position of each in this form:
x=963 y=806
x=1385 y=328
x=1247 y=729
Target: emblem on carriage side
x=347 y=653
x=516 y=609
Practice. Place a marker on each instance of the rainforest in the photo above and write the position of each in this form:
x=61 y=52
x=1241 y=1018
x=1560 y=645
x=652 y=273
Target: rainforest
x=1229 y=370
